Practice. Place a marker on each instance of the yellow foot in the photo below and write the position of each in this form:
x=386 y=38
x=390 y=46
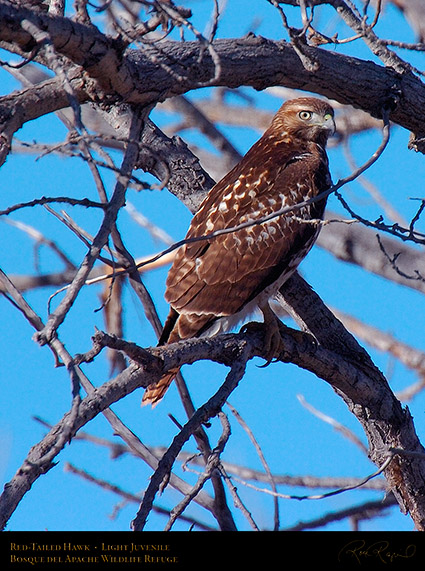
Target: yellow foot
x=273 y=345
x=270 y=329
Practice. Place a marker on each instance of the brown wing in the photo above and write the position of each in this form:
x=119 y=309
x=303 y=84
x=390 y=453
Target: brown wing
x=219 y=276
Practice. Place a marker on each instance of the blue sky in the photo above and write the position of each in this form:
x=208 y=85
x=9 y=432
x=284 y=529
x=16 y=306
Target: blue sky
x=293 y=441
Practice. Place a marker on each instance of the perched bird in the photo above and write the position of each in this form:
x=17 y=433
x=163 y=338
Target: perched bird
x=215 y=283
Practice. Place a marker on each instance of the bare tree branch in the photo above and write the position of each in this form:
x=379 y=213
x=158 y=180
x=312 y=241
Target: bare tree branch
x=116 y=202
x=138 y=78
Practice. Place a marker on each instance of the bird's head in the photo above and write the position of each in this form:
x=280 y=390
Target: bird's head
x=305 y=118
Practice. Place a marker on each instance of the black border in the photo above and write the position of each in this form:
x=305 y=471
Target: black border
x=211 y=550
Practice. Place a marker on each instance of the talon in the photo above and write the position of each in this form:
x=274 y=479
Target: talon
x=253 y=326
x=268 y=362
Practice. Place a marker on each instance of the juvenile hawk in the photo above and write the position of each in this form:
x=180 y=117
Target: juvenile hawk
x=213 y=284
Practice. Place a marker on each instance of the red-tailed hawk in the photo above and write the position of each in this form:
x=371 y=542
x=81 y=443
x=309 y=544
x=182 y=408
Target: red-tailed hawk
x=213 y=284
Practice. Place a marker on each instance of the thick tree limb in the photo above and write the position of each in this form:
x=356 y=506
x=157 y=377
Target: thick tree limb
x=145 y=77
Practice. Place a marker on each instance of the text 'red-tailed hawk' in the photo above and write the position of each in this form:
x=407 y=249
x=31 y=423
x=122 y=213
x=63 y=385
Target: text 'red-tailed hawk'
x=215 y=283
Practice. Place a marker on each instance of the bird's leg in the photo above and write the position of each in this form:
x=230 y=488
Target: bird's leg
x=274 y=345
x=272 y=338
x=270 y=329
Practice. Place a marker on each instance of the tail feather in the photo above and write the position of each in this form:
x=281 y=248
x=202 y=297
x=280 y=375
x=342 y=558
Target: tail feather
x=177 y=327
x=155 y=392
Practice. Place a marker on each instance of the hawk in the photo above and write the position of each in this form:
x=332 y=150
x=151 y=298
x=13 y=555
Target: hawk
x=215 y=283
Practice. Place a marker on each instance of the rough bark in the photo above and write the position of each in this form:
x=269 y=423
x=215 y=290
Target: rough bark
x=148 y=76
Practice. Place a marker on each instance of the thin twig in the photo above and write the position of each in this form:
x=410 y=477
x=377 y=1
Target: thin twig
x=115 y=204
x=336 y=425
x=128 y=496
x=53 y=199
x=326 y=494
x=262 y=459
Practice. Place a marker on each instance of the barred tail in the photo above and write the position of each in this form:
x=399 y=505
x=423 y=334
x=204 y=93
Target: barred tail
x=155 y=392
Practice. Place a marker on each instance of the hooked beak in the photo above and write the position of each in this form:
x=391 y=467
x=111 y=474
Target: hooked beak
x=329 y=123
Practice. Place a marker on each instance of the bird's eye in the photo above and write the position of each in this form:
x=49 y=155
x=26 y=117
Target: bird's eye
x=305 y=115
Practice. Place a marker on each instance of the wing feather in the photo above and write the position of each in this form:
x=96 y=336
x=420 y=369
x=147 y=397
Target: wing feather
x=233 y=267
